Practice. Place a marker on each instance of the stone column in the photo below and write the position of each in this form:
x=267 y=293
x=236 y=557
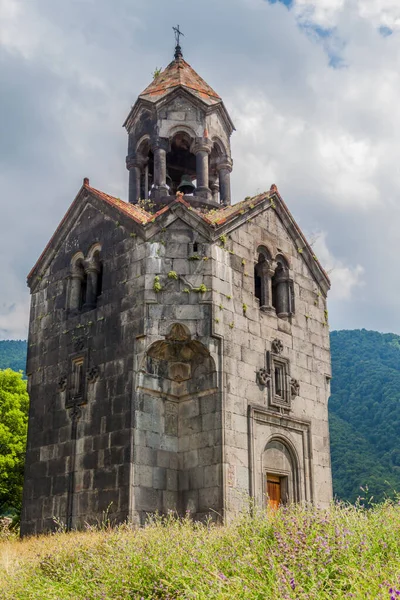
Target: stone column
x=75 y=291
x=264 y=272
x=146 y=181
x=134 y=166
x=160 y=148
x=202 y=148
x=282 y=292
x=224 y=170
x=270 y=275
x=214 y=187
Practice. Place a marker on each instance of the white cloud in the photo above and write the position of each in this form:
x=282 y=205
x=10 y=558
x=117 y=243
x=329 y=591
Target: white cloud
x=14 y=307
x=328 y=137
x=381 y=12
x=321 y=12
x=328 y=13
x=345 y=279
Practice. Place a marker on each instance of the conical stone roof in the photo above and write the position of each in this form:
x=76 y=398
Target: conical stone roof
x=179 y=74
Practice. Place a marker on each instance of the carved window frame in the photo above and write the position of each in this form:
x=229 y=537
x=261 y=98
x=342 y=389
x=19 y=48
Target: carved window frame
x=279 y=398
x=77 y=359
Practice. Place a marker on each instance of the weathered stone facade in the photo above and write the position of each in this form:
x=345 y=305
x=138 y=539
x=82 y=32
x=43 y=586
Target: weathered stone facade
x=178 y=356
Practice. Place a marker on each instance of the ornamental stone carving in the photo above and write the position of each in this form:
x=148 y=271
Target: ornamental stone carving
x=92 y=374
x=62 y=383
x=294 y=388
x=277 y=346
x=79 y=344
x=263 y=377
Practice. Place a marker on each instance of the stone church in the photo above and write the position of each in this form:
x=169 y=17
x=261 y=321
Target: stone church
x=178 y=342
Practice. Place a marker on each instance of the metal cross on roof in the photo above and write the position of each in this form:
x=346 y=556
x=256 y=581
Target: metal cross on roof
x=178 y=33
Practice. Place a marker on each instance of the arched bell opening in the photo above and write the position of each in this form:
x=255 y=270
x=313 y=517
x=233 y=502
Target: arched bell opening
x=281 y=479
x=216 y=155
x=181 y=165
x=146 y=157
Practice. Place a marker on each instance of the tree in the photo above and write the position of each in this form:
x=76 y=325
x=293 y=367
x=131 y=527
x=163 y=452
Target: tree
x=14 y=403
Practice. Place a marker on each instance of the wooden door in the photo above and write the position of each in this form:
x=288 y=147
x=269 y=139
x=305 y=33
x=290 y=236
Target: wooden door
x=273 y=491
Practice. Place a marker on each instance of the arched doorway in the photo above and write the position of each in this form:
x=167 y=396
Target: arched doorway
x=281 y=476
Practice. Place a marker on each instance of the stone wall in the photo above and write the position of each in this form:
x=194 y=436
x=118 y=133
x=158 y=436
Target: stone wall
x=105 y=338
x=248 y=333
x=174 y=415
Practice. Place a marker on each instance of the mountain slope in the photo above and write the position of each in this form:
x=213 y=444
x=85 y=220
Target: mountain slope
x=13 y=354
x=364 y=413
x=364 y=410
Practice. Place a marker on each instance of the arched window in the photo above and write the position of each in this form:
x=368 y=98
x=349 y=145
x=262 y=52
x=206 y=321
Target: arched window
x=94 y=274
x=86 y=280
x=99 y=290
x=282 y=289
x=262 y=278
x=77 y=288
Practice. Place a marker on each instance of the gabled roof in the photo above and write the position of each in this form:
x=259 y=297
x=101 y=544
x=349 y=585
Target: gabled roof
x=216 y=221
x=179 y=74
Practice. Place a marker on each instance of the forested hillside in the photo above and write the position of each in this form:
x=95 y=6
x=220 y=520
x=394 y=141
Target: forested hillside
x=13 y=355
x=365 y=413
x=364 y=409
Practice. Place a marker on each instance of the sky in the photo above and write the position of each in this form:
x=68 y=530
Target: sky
x=313 y=88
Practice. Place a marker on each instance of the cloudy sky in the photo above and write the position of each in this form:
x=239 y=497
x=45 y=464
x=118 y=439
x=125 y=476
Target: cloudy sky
x=313 y=87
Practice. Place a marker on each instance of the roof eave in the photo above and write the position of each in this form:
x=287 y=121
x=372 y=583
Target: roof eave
x=33 y=275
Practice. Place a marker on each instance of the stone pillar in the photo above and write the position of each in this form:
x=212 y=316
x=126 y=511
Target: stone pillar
x=75 y=291
x=214 y=187
x=134 y=166
x=270 y=275
x=202 y=148
x=224 y=170
x=146 y=181
x=160 y=148
x=281 y=283
x=262 y=269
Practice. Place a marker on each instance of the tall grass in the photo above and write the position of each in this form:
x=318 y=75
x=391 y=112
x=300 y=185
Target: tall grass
x=298 y=552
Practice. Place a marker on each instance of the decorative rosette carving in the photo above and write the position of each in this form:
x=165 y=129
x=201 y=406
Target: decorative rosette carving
x=263 y=377
x=277 y=346
x=79 y=344
x=92 y=374
x=62 y=383
x=294 y=388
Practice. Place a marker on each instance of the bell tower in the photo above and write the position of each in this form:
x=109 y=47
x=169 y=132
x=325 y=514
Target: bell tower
x=179 y=140
x=178 y=356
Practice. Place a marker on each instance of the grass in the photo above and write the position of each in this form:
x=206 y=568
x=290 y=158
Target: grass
x=296 y=553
